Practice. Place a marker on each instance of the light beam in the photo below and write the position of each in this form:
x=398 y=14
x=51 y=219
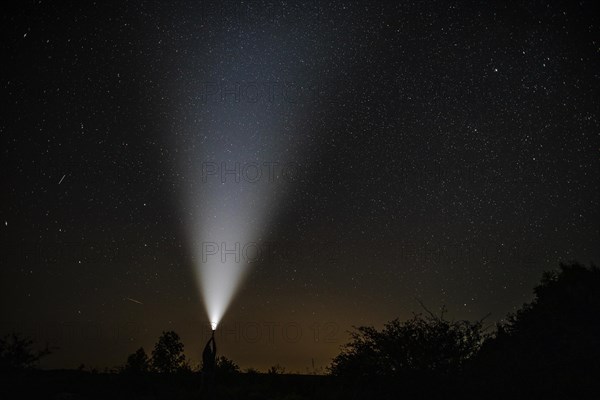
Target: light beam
x=240 y=138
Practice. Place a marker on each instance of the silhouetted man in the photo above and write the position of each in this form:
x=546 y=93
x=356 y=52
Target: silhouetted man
x=209 y=365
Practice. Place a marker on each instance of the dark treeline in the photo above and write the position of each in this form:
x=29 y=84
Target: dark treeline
x=548 y=349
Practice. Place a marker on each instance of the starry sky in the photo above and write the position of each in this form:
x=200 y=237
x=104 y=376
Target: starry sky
x=437 y=151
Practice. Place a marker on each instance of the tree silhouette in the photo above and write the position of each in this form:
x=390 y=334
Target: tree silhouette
x=167 y=356
x=552 y=343
x=16 y=353
x=137 y=362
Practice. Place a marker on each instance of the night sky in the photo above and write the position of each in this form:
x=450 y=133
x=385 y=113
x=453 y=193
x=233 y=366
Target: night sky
x=382 y=155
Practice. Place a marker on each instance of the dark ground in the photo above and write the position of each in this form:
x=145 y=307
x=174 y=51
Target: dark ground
x=72 y=384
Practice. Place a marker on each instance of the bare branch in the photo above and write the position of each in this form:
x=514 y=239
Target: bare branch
x=426 y=309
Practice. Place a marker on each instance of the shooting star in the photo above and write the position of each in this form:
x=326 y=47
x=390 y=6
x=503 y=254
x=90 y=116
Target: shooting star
x=134 y=300
x=61 y=179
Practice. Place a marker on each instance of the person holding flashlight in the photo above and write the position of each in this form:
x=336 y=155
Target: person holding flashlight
x=209 y=365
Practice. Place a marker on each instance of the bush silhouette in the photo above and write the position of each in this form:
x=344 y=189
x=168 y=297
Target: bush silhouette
x=276 y=370
x=423 y=344
x=225 y=366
